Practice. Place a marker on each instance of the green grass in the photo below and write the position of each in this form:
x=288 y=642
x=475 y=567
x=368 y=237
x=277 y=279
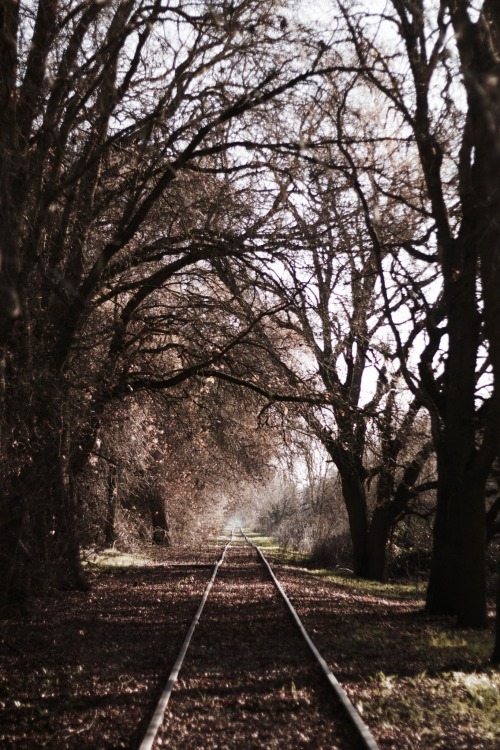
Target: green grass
x=478 y=644
x=278 y=553
x=414 y=590
x=266 y=542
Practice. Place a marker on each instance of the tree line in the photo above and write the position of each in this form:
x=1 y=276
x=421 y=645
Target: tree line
x=226 y=218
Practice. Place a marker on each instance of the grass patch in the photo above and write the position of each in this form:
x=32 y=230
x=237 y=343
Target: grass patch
x=409 y=590
x=278 y=553
x=112 y=559
x=477 y=643
x=419 y=681
x=464 y=705
x=265 y=542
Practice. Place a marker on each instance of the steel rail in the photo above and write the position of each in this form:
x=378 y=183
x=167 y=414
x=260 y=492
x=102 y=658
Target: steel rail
x=158 y=716
x=364 y=733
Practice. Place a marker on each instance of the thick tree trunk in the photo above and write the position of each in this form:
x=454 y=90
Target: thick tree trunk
x=14 y=556
x=377 y=540
x=9 y=154
x=457 y=581
x=495 y=657
x=355 y=501
x=457 y=584
x=40 y=548
x=54 y=528
x=439 y=597
x=39 y=513
x=488 y=158
x=478 y=45
x=64 y=559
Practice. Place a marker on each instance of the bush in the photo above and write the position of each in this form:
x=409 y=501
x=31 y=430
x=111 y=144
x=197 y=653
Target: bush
x=412 y=562
x=332 y=551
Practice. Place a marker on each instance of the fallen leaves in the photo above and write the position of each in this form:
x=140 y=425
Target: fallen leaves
x=84 y=670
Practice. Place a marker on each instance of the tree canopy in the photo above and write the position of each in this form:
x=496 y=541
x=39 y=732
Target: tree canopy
x=231 y=221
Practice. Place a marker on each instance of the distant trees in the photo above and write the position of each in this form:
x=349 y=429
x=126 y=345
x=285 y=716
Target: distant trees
x=161 y=460
x=329 y=343
x=337 y=317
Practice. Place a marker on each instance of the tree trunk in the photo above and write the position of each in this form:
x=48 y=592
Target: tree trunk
x=14 y=556
x=159 y=520
x=39 y=514
x=391 y=506
x=495 y=657
x=355 y=501
x=9 y=138
x=457 y=584
x=457 y=581
x=439 y=597
x=109 y=521
x=378 y=537
x=54 y=531
x=64 y=559
x=478 y=46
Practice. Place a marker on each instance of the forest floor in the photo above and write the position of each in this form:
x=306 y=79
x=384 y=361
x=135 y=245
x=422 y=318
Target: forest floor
x=84 y=670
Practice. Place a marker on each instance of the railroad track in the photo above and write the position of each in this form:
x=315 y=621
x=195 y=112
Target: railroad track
x=243 y=574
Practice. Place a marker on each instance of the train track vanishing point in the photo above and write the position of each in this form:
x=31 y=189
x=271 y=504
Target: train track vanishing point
x=363 y=738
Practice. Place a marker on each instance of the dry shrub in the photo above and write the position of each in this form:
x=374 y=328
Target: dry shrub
x=411 y=562
x=332 y=551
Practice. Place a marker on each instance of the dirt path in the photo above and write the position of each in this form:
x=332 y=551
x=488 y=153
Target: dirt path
x=82 y=670
x=249 y=680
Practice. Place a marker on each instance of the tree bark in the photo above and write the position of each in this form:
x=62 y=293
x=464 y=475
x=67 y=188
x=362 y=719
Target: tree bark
x=495 y=657
x=54 y=530
x=457 y=584
x=9 y=167
x=109 y=522
x=377 y=540
x=355 y=501
x=41 y=537
x=159 y=520
x=478 y=45
x=15 y=558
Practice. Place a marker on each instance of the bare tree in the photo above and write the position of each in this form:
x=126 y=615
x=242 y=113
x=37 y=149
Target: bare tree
x=114 y=102
x=326 y=346
x=408 y=59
